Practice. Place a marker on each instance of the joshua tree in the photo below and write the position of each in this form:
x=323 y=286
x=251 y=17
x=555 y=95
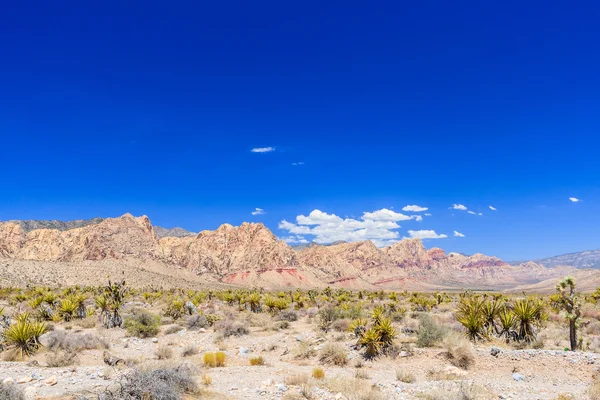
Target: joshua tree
x=110 y=303
x=568 y=300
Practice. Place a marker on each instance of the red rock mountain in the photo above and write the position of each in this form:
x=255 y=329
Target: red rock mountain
x=251 y=255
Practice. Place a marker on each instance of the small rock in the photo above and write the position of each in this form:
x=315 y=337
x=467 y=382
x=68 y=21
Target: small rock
x=338 y=396
x=242 y=351
x=202 y=330
x=8 y=381
x=300 y=338
x=51 y=381
x=518 y=377
x=404 y=354
x=24 y=379
x=495 y=351
x=281 y=387
x=154 y=340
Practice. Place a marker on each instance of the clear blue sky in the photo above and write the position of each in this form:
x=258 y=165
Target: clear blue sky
x=153 y=108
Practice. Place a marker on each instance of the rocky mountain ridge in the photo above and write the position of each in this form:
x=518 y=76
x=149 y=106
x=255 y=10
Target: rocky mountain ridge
x=251 y=255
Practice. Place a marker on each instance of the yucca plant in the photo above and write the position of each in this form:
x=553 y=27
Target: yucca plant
x=23 y=335
x=371 y=343
x=507 y=320
x=528 y=314
x=175 y=309
x=67 y=309
x=471 y=316
x=386 y=332
x=253 y=299
x=569 y=301
x=358 y=327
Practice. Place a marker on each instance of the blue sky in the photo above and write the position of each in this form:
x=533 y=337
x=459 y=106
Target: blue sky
x=154 y=109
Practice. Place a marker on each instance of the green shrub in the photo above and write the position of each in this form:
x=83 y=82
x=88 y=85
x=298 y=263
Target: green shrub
x=430 y=333
x=142 y=324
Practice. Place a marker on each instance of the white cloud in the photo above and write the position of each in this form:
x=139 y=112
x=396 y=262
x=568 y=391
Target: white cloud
x=458 y=207
x=479 y=213
x=426 y=234
x=298 y=163
x=493 y=208
x=427 y=214
x=474 y=213
x=379 y=226
x=418 y=218
x=458 y=234
x=262 y=149
x=574 y=199
x=414 y=208
x=258 y=211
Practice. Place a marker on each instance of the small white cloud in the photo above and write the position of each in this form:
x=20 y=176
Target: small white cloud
x=418 y=218
x=427 y=214
x=297 y=239
x=414 y=208
x=459 y=207
x=472 y=212
x=458 y=234
x=493 y=208
x=298 y=163
x=262 y=149
x=426 y=234
x=574 y=199
x=258 y=211
x=479 y=213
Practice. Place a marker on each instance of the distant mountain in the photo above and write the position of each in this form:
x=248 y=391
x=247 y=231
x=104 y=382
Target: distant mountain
x=172 y=232
x=582 y=259
x=32 y=225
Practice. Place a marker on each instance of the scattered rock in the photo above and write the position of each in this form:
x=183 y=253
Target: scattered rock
x=24 y=379
x=518 y=377
x=51 y=381
x=154 y=340
x=8 y=381
x=495 y=351
x=112 y=360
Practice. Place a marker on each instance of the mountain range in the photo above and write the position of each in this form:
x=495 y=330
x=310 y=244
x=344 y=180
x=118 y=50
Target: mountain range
x=249 y=255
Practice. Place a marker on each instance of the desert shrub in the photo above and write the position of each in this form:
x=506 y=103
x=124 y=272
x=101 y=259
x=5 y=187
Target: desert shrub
x=430 y=333
x=327 y=316
x=206 y=380
x=459 y=351
x=360 y=374
x=209 y=360
x=59 y=359
x=196 y=322
x=340 y=325
x=404 y=376
x=164 y=353
x=142 y=324
x=162 y=383
x=230 y=328
x=318 y=373
x=86 y=323
x=173 y=329
x=72 y=342
x=333 y=354
x=189 y=350
x=11 y=392
x=257 y=361
x=175 y=309
x=288 y=315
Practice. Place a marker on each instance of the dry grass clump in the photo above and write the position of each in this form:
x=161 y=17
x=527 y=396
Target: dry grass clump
x=333 y=354
x=404 y=376
x=59 y=359
x=296 y=380
x=430 y=333
x=206 y=380
x=142 y=324
x=11 y=392
x=212 y=360
x=164 y=353
x=353 y=389
x=436 y=374
x=304 y=351
x=318 y=373
x=254 y=361
x=593 y=391
x=173 y=329
x=361 y=374
x=160 y=383
x=459 y=351
x=287 y=315
x=466 y=391
x=189 y=350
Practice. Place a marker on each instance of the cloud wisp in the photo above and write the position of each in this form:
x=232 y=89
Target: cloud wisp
x=262 y=149
x=458 y=207
x=414 y=208
x=298 y=163
x=258 y=211
x=574 y=199
x=458 y=234
x=426 y=234
x=493 y=208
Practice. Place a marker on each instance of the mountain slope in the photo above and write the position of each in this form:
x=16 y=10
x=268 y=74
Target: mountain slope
x=582 y=259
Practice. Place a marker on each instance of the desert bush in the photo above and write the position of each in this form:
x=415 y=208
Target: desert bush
x=230 y=328
x=173 y=329
x=340 y=325
x=161 y=383
x=459 y=351
x=175 y=309
x=360 y=374
x=86 y=323
x=11 y=392
x=220 y=359
x=164 y=353
x=59 y=359
x=209 y=360
x=430 y=333
x=334 y=354
x=318 y=373
x=327 y=316
x=288 y=315
x=196 y=322
x=142 y=324
x=404 y=376
x=206 y=380
x=72 y=342
x=257 y=361
x=189 y=350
